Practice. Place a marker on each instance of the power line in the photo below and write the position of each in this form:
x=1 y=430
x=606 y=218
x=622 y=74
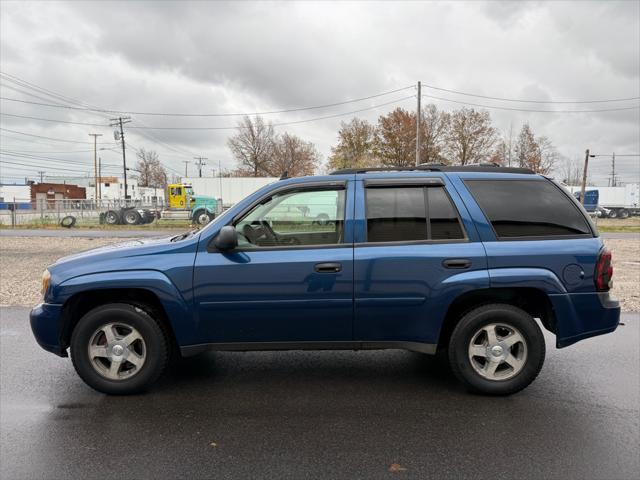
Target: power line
x=30 y=166
x=183 y=114
x=282 y=124
x=75 y=101
x=529 y=101
x=217 y=128
x=38 y=157
x=531 y=110
x=46 y=138
x=53 y=120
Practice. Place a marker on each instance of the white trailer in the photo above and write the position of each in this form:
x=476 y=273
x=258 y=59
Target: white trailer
x=230 y=189
x=617 y=202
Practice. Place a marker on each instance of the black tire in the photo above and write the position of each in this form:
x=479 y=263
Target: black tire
x=112 y=217
x=202 y=217
x=613 y=213
x=68 y=221
x=322 y=219
x=466 y=330
x=156 y=348
x=623 y=213
x=132 y=217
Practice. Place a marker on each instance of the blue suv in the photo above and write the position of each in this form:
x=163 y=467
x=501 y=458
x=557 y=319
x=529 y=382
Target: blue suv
x=464 y=261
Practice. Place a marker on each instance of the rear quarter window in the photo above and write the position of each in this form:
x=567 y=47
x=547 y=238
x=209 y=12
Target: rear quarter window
x=528 y=208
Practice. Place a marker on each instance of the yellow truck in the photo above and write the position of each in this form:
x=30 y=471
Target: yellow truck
x=183 y=204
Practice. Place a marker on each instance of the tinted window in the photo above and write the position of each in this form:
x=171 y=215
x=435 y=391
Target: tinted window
x=395 y=214
x=400 y=214
x=528 y=208
x=443 y=217
x=306 y=217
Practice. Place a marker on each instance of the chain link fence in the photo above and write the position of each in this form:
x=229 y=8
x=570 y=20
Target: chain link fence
x=86 y=212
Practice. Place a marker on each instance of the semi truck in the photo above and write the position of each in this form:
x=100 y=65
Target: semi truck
x=181 y=204
x=612 y=202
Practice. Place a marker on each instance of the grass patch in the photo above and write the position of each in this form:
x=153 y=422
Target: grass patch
x=619 y=228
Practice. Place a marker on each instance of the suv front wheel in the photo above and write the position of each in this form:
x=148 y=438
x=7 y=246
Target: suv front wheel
x=119 y=349
x=496 y=349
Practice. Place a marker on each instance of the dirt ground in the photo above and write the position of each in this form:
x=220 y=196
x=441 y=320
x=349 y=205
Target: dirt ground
x=22 y=260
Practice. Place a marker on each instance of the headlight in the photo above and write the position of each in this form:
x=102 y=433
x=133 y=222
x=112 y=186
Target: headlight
x=46 y=277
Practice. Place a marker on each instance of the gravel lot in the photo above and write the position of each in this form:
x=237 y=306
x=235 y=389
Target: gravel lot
x=23 y=259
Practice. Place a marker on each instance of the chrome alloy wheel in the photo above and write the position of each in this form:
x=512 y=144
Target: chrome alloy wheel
x=497 y=351
x=203 y=218
x=117 y=351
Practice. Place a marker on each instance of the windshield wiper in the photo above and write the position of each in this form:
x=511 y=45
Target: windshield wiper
x=184 y=235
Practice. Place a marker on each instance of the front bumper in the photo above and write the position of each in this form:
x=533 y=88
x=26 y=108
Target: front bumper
x=584 y=315
x=45 y=325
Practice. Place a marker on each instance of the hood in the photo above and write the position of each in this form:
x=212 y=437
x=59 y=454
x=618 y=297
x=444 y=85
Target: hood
x=113 y=251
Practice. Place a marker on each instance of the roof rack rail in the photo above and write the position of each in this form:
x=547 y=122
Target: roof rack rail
x=438 y=167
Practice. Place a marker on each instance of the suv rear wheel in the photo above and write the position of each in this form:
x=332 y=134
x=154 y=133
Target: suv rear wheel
x=119 y=349
x=496 y=349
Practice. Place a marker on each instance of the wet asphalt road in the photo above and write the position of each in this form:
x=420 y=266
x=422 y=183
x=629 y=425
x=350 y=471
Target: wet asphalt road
x=321 y=415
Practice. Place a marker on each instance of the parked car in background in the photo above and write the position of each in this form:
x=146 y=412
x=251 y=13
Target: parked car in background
x=432 y=259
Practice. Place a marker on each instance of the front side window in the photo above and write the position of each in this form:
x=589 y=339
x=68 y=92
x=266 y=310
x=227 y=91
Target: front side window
x=299 y=217
x=528 y=208
x=411 y=213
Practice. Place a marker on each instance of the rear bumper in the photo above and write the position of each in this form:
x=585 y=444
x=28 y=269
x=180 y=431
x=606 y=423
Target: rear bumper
x=584 y=315
x=45 y=325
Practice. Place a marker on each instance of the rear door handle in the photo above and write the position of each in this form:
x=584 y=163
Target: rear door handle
x=460 y=263
x=328 y=267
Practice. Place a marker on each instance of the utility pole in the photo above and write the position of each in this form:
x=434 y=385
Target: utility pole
x=418 y=119
x=120 y=121
x=584 y=175
x=100 y=177
x=41 y=173
x=613 y=169
x=186 y=167
x=95 y=161
x=200 y=161
x=220 y=179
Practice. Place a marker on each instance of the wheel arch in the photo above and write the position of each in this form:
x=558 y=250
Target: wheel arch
x=534 y=301
x=76 y=306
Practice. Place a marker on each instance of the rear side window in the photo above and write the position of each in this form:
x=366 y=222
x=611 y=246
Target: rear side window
x=528 y=208
x=405 y=214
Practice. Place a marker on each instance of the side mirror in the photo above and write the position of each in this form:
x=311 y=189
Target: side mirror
x=227 y=238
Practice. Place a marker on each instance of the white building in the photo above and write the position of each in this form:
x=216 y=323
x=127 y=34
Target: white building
x=230 y=189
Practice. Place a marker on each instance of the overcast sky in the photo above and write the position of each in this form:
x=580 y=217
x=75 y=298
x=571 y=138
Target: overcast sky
x=214 y=57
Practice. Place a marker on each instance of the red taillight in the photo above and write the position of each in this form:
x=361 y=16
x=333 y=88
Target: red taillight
x=604 y=271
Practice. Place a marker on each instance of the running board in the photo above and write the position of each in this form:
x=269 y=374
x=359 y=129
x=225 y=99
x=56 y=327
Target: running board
x=189 y=350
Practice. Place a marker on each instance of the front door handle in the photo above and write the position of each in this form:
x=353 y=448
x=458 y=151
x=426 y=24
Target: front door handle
x=328 y=267
x=460 y=263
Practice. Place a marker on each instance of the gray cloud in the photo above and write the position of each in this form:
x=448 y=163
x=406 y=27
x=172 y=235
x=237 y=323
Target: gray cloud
x=226 y=57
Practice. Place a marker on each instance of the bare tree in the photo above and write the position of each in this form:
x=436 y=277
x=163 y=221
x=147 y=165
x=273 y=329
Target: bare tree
x=571 y=170
x=355 y=146
x=538 y=154
x=500 y=154
x=395 y=138
x=151 y=171
x=252 y=146
x=471 y=136
x=526 y=149
x=434 y=128
x=293 y=156
x=547 y=158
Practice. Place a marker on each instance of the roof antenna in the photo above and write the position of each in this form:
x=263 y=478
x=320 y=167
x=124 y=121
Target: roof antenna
x=284 y=175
